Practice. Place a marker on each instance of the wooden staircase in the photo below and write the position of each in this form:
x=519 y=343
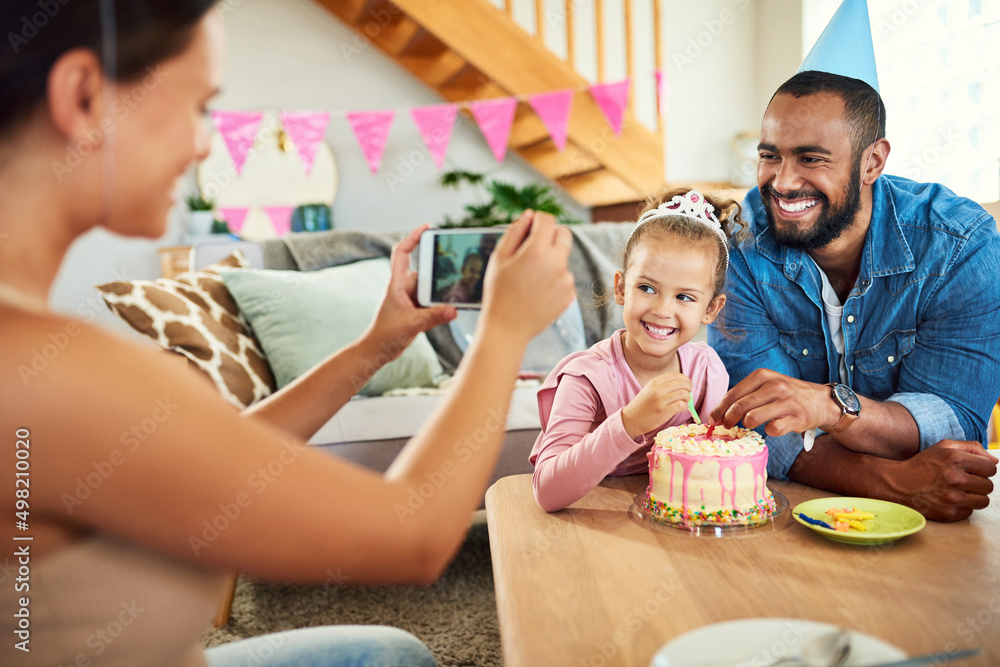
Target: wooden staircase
x=469 y=50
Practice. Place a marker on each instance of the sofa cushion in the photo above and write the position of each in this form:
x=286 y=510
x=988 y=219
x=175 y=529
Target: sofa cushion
x=194 y=315
x=301 y=317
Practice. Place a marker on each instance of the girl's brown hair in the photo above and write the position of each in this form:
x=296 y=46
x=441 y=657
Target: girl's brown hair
x=727 y=211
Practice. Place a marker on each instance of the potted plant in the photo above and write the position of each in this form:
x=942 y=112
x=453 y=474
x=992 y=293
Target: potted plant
x=201 y=216
x=503 y=202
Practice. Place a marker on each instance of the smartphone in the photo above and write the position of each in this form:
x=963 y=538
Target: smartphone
x=451 y=264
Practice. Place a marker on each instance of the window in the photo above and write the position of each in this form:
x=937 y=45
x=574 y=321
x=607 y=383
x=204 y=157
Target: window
x=939 y=74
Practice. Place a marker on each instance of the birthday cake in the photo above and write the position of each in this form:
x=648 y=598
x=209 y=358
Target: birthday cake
x=700 y=474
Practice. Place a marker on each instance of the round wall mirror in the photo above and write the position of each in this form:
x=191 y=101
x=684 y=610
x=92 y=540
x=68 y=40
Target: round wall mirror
x=273 y=175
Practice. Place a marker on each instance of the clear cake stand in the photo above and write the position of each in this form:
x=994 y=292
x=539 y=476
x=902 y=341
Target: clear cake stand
x=780 y=519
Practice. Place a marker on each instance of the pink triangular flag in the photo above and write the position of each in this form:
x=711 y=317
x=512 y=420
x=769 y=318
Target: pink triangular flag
x=281 y=218
x=238 y=129
x=662 y=86
x=306 y=130
x=495 y=118
x=234 y=216
x=553 y=109
x=371 y=129
x=612 y=98
x=435 y=124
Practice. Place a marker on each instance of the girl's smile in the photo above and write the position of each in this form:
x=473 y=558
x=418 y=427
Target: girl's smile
x=660 y=333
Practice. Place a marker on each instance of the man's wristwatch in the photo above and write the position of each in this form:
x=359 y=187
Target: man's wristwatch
x=850 y=406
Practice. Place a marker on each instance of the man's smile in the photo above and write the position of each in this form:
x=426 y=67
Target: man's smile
x=797 y=207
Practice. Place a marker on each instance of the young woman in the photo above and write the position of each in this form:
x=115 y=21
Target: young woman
x=129 y=575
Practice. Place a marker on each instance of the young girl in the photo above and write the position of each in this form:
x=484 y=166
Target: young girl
x=601 y=408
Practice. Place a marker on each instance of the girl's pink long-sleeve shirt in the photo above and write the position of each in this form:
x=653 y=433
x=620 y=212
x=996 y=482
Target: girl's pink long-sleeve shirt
x=580 y=405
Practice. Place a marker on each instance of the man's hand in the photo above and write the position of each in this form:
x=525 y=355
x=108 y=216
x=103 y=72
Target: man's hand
x=947 y=481
x=784 y=403
x=399 y=318
x=662 y=398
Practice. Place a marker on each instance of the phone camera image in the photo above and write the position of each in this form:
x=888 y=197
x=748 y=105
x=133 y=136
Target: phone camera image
x=459 y=264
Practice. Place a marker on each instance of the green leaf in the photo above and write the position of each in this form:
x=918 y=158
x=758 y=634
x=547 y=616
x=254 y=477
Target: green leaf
x=452 y=179
x=198 y=203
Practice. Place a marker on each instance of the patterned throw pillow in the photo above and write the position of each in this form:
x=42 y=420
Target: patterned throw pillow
x=194 y=315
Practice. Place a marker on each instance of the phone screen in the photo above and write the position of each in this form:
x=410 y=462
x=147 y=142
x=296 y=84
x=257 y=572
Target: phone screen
x=460 y=261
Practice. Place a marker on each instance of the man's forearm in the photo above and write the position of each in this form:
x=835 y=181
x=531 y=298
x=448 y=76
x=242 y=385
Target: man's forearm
x=886 y=429
x=831 y=466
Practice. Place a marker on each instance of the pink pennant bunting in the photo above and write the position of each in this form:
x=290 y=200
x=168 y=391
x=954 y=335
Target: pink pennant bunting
x=234 y=216
x=281 y=218
x=306 y=130
x=238 y=129
x=495 y=118
x=553 y=110
x=435 y=124
x=662 y=89
x=371 y=129
x=612 y=98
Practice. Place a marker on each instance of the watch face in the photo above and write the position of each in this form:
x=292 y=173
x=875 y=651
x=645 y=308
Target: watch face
x=847 y=398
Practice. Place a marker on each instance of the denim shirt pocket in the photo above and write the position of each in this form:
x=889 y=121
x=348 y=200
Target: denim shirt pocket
x=879 y=364
x=807 y=350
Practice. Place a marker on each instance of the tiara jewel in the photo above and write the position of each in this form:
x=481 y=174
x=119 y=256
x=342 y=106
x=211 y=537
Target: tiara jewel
x=691 y=204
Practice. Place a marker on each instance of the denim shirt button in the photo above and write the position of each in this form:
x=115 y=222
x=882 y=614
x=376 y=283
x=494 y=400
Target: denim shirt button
x=891 y=359
x=852 y=367
x=805 y=353
x=793 y=266
x=850 y=318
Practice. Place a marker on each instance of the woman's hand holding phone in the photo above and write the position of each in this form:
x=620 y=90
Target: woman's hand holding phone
x=399 y=319
x=528 y=284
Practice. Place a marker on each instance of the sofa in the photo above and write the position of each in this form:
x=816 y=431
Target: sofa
x=234 y=288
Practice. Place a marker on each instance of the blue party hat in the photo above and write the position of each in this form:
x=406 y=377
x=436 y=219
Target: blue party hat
x=845 y=47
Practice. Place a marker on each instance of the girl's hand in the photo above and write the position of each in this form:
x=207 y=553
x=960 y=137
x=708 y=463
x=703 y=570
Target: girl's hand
x=528 y=284
x=399 y=319
x=663 y=397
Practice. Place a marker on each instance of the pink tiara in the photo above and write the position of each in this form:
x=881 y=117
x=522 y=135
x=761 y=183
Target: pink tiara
x=691 y=204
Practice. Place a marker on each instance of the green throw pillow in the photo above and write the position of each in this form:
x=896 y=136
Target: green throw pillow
x=301 y=317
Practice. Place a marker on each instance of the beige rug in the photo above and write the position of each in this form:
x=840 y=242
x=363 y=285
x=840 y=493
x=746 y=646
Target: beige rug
x=456 y=617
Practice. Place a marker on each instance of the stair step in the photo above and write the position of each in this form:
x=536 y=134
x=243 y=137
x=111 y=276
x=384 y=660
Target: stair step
x=527 y=130
x=423 y=44
x=435 y=71
x=556 y=164
x=599 y=187
x=394 y=37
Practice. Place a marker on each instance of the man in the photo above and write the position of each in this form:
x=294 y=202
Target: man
x=854 y=281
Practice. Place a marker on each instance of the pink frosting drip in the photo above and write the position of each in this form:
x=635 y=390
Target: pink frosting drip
x=758 y=463
x=730 y=465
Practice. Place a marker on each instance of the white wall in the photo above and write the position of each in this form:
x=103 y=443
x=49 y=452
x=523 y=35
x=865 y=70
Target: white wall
x=709 y=53
x=779 y=49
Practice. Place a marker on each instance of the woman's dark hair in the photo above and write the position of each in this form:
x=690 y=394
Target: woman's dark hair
x=128 y=35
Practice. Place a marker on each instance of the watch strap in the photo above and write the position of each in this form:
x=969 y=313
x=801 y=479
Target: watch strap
x=846 y=416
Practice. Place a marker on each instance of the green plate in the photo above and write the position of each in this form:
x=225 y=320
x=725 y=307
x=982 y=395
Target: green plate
x=891 y=522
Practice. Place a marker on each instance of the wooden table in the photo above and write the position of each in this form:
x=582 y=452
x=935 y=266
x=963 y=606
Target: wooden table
x=590 y=586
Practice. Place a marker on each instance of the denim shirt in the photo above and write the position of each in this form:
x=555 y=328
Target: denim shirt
x=921 y=324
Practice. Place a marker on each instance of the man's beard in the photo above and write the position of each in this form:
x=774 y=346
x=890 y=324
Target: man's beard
x=832 y=222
